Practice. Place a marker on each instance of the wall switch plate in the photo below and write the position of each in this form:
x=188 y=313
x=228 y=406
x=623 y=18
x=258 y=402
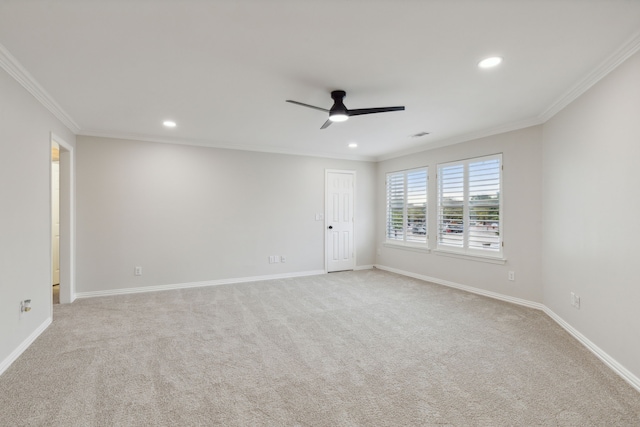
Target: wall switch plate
x=283 y=258
x=512 y=276
x=272 y=259
x=137 y=271
x=319 y=217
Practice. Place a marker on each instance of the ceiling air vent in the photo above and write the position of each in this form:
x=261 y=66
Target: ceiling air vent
x=419 y=134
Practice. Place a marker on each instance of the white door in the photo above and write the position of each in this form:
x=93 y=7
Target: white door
x=340 y=220
x=55 y=215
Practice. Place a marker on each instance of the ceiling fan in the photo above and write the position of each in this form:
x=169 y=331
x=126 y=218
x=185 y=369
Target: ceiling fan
x=340 y=113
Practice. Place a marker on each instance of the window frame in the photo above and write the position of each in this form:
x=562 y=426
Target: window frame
x=465 y=250
x=404 y=242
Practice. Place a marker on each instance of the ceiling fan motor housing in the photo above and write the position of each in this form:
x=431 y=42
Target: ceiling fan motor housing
x=338 y=107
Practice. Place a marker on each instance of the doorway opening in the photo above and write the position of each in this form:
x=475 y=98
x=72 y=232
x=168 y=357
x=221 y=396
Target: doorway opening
x=55 y=221
x=62 y=226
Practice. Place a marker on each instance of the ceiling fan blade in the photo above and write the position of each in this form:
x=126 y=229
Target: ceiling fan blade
x=361 y=111
x=326 y=124
x=308 y=106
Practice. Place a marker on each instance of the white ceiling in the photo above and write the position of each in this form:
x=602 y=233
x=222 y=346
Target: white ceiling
x=223 y=69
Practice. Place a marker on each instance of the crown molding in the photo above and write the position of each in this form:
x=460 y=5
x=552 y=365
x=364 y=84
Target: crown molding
x=611 y=63
x=11 y=65
x=212 y=144
x=521 y=124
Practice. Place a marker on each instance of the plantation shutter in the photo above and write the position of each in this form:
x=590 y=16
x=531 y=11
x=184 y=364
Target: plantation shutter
x=395 y=206
x=407 y=206
x=416 y=214
x=469 y=206
x=484 y=204
x=451 y=205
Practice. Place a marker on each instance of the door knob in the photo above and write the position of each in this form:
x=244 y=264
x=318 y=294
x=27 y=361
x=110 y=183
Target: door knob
x=330 y=227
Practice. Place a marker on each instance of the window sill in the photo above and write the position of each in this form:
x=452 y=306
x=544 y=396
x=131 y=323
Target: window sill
x=479 y=258
x=405 y=247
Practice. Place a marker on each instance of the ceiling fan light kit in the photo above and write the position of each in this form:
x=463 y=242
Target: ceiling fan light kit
x=339 y=112
x=339 y=117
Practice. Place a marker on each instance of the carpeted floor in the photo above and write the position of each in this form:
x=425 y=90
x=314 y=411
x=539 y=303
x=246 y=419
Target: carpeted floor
x=365 y=348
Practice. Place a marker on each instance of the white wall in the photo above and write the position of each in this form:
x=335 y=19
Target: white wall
x=25 y=246
x=189 y=214
x=522 y=180
x=591 y=205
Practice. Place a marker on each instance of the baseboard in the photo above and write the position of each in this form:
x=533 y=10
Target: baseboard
x=24 y=345
x=633 y=380
x=470 y=289
x=363 y=267
x=169 y=287
x=613 y=364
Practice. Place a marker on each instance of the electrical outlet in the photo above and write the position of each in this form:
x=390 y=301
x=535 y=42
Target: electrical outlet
x=575 y=300
x=137 y=271
x=25 y=306
x=512 y=276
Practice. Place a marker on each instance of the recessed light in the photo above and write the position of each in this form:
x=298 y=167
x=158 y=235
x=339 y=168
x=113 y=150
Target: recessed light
x=353 y=145
x=169 y=123
x=490 y=62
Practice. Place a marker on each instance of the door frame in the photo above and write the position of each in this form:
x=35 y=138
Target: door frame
x=326 y=215
x=67 y=248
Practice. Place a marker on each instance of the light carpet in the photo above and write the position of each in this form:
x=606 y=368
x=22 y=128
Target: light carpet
x=364 y=348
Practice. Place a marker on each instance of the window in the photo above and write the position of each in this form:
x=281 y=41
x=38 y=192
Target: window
x=407 y=206
x=470 y=206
